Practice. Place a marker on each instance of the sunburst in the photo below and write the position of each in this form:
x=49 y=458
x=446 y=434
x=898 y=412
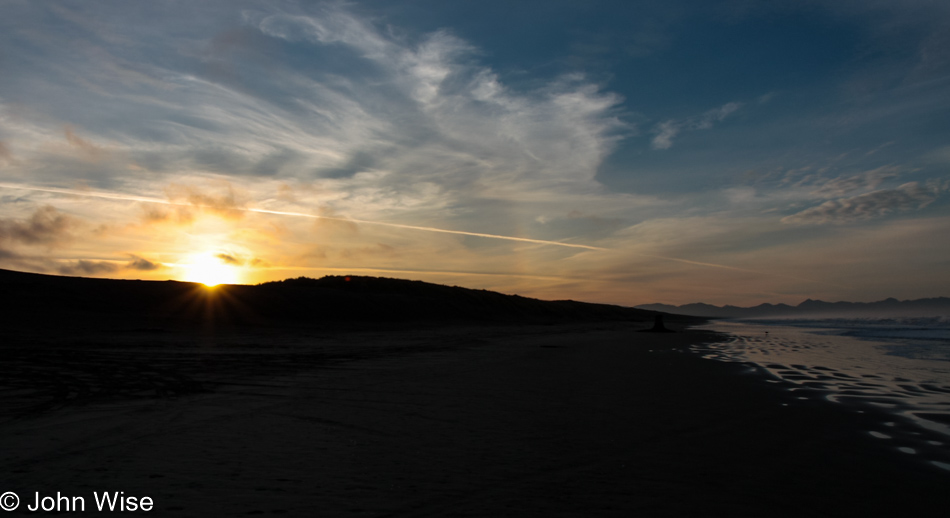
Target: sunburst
x=210 y=270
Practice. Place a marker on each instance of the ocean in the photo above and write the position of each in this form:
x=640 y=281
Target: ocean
x=896 y=368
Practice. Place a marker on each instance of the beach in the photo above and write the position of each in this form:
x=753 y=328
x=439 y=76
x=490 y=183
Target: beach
x=591 y=419
x=896 y=370
x=423 y=259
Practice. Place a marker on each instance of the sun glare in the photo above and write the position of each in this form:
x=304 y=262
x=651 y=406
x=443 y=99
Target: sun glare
x=210 y=271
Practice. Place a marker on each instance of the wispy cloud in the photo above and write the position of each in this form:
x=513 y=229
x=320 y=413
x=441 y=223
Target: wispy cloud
x=5 y=153
x=46 y=226
x=290 y=138
x=909 y=196
x=868 y=180
x=667 y=130
x=90 y=150
x=235 y=259
x=224 y=200
x=405 y=126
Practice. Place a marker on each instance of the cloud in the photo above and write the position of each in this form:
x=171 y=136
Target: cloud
x=5 y=153
x=7 y=254
x=77 y=267
x=666 y=130
x=84 y=267
x=840 y=186
x=331 y=25
x=46 y=226
x=240 y=260
x=818 y=185
x=138 y=263
x=386 y=127
x=227 y=203
x=313 y=108
x=230 y=259
x=909 y=196
x=154 y=213
x=90 y=150
x=362 y=122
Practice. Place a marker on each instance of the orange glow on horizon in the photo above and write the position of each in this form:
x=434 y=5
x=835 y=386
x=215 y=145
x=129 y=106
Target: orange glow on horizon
x=210 y=270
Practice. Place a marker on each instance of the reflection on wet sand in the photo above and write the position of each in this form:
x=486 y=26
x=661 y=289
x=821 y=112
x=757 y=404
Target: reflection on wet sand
x=857 y=373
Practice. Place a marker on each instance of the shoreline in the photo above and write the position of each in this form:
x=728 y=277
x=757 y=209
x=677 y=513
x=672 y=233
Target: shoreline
x=907 y=395
x=585 y=419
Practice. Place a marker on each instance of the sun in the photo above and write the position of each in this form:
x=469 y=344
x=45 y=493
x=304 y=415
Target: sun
x=210 y=270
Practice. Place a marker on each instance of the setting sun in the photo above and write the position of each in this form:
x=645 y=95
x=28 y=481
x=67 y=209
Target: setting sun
x=211 y=270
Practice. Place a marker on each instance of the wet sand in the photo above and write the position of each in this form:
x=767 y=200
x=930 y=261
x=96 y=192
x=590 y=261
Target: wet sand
x=572 y=420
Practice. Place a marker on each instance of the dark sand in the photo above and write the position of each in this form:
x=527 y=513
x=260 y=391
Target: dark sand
x=574 y=420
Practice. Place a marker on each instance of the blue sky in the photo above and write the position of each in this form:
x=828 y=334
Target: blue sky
x=626 y=152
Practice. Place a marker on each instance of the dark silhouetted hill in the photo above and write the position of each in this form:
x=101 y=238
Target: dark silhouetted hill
x=35 y=300
x=888 y=308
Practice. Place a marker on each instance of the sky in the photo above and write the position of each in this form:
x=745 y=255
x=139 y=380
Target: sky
x=625 y=152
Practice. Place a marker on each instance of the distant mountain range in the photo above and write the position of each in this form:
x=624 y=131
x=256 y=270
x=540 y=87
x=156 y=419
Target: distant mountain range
x=888 y=308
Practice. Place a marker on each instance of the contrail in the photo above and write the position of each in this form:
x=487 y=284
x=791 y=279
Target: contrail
x=91 y=194
x=427 y=229
x=145 y=199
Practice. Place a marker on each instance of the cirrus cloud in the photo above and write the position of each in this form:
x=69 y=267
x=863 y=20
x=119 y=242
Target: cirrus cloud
x=909 y=196
x=666 y=130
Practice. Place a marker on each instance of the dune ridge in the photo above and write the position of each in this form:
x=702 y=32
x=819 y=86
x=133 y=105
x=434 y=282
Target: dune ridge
x=71 y=301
